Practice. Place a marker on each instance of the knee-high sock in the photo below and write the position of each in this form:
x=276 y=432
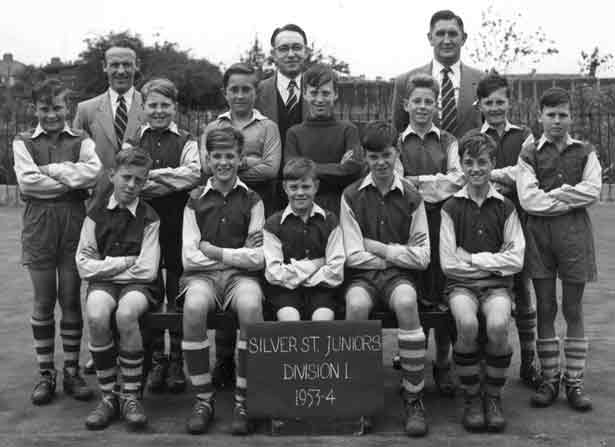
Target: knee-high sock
x=241 y=382
x=70 y=332
x=497 y=369
x=44 y=331
x=575 y=352
x=468 y=370
x=105 y=361
x=548 y=353
x=196 y=354
x=131 y=369
x=526 y=327
x=412 y=355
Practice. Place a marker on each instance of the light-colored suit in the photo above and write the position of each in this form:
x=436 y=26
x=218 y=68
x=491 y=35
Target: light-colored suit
x=468 y=116
x=95 y=116
x=267 y=99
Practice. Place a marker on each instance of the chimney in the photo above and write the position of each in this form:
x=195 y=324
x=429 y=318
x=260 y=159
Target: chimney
x=7 y=57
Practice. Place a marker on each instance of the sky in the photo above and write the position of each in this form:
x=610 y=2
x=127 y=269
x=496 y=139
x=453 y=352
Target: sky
x=376 y=37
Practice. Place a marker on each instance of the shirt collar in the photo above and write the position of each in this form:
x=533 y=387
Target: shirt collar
x=486 y=126
x=316 y=209
x=113 y=95
x=437 y=68
x=410 y=130
x=283 y=82
x=39 y=130
x=256 y=116
x=543 y=139
x=209 y=185
x=463 y=192
x=397 y=182
x=132 y=207
x=172 y=128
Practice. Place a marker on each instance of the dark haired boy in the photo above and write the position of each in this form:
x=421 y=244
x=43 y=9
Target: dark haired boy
x=387 y=241
x=493 y=93
x=481 y=248
x=54 y=165
x=304 y=250
x=221 y=253
x=119 y=256
x=332 y=144
x=558 y=179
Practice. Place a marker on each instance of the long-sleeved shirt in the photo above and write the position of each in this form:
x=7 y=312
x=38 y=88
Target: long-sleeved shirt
x=225 y=221
x=46 y=170
x=392 y=219
x=176 y=161
x=261 y=141
x=551 y=183
x=303 y=253
x=491 y=233
x=434 y=159
x=118 y=234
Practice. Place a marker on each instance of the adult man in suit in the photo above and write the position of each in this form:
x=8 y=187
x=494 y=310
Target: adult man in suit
x=447 y=36
x=456 y=114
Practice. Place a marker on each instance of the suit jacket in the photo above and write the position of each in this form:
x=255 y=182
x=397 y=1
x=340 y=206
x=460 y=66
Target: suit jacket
x=468 y=116
x=267 y=99
x=95 y=116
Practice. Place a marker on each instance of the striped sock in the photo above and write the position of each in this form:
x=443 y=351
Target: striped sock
x=575 y=352
x=497 y=368
x=70 y=332
x=196 y=354
x=468 y=370
x=548 y=353
x=526 y=327
x=105 y=361
x=131 y=369
x=44 y=332
x=175 y=348
x=241 y=382
x=412 y=355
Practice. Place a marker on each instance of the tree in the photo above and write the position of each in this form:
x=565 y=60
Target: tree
x=502 y=44
x=589 y=63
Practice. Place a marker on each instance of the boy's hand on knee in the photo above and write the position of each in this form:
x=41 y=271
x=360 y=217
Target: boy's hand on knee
x=254 y=240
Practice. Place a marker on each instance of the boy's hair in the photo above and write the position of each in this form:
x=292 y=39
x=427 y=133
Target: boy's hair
x=290 y=27
x=162 y=86
x=490 y=83
x=423 y=80
x=225 y=138
x=133 y=156
x=299 y=168
x=378 y=136
x=318 y=75
x=475 y=142
x=445 y=14
x=239 y=68
x=48 y=89
x=554 y=96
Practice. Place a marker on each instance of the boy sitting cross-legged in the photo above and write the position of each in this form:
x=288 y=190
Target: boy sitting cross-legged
x=481 y=248
x=387 y=241
x=119 y=254
x=304 y=250
x=221 y=251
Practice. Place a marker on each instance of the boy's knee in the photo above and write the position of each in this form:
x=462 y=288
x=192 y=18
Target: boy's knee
x=126 y=317
x=497 y=331
x=358 y=303
x=323 y=314
x=249 y=307
x=467 y=329
x=404 y=301
x=288 y=313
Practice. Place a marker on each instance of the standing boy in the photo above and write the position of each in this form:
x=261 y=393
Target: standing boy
x=387 y=241
x=304 y=250
x=481 y=248
x=55 y=166
x=119 y=255
x=221 y=251
x=558 y=178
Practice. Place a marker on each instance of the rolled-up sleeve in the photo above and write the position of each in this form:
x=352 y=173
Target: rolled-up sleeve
x=244 y=257
x=80 y=174
x=331 y=273
x=415 y=257
x=30 y=179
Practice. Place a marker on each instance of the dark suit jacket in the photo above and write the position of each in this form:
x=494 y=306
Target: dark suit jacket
x=96 y=118
x=267 y=99
x=468 y=116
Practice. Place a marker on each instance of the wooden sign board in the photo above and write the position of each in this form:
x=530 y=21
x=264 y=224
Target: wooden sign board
x=315 y=369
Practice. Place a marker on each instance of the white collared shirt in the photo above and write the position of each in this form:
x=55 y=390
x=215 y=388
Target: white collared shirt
x=316 y=209
x=132 y=206
x=410 y=130
x=397 y=182
x=172 y=127
x=114 y=96
x=282 y=85
x=486 y=126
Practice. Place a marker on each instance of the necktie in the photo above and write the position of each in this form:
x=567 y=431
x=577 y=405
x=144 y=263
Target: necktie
x=121 y=118
x=448 y=121
x=292 y=95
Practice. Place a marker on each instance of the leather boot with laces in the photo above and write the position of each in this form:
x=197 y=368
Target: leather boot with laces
x=241 y=424
x=201 y=416
x=494 y=415
x=575 y=394
x=75 y=385
x=105 y=412
x=473 y=414
x=416 y=423
x=45 y=389
x=546 y=393
x=132 y=412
